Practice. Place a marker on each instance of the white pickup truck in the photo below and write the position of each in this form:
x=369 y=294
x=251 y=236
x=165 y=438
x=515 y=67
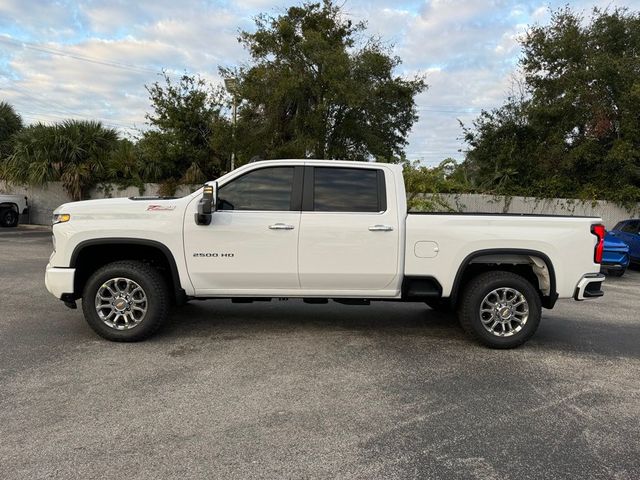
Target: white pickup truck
x=316 y=230
x=11 y=207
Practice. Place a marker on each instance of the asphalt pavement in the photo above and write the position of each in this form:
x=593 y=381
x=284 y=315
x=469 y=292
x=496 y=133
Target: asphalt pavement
x=290 y=390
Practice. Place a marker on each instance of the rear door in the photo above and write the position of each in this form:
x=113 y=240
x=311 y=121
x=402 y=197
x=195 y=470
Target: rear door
x=348 y=236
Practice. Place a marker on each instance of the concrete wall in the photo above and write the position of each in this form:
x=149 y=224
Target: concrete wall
x=610 y=212
x=43 y=200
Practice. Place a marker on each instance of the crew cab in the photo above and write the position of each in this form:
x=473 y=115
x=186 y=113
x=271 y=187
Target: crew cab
x=316 y=230
x=11 y=207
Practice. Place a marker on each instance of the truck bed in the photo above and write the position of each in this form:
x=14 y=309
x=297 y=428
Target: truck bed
x=441 y=242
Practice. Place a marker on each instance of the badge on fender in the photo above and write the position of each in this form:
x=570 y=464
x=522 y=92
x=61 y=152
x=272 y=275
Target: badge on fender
x=157 y=208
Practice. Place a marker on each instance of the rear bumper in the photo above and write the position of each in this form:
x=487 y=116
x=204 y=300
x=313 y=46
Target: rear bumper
x=589 y=286
x=613 y=260
x=59 y=281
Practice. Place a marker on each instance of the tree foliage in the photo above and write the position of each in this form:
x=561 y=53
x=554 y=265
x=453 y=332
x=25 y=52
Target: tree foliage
x=425 y=184
x=74 y=152
x=317 y=87
x=575 y=129
x=10 y=124
x=190 y=137
x=10 y=121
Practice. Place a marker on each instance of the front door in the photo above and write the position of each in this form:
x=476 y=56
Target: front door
x=251 y=245
x=634 y=241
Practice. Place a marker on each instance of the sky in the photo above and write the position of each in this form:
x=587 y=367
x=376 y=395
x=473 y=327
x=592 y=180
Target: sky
x=91 y=59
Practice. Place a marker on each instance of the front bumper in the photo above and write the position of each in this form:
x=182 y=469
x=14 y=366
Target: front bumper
x=589 y=286
x=59 y=281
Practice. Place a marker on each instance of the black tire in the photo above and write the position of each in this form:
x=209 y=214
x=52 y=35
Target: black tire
x=154 y=288
x=616 y=273
x=472 y=299
x=9 y=217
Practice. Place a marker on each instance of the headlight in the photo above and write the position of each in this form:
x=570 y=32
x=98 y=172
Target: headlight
x=60 y=218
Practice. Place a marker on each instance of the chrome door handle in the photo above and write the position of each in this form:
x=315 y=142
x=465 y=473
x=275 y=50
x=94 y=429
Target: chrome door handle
x=380 y=228
x=280 y=226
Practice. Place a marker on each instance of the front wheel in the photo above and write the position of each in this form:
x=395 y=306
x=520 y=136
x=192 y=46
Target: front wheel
x=500 y=309
x=126 y=301
x=8 y=217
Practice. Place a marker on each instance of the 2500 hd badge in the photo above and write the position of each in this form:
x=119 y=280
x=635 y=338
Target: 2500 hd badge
x=213 y=255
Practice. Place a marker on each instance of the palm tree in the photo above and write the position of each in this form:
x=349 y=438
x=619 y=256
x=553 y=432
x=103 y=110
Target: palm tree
x=10 y=124
x=74 y=152
x=10 y=121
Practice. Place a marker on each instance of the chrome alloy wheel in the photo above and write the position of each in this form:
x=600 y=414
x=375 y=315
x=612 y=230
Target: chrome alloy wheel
x=504 y=312
x=121 y=303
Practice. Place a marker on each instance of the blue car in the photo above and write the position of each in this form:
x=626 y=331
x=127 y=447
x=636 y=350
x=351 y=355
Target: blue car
x=615 y=256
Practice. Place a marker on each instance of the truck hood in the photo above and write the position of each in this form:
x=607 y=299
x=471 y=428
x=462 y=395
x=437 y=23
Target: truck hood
x=124 y=205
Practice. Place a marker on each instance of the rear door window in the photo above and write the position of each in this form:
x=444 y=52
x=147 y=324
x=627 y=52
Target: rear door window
x=338 y=189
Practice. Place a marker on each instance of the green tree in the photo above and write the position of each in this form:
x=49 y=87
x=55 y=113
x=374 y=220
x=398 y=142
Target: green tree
x=10 y=124
x=73 y=152
x=425 y=184
x=318 y=87
x=575 y=131
x=10 y=121
x=190 y=135
x=125 y=165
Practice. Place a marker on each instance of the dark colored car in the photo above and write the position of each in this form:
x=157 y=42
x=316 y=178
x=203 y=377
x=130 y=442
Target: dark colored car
x=629 y=232
x=615 y=257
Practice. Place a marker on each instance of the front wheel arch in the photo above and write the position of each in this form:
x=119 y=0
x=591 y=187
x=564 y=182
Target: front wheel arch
x=92 y=254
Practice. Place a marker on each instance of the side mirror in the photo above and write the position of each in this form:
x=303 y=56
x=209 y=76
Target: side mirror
x=207 y=204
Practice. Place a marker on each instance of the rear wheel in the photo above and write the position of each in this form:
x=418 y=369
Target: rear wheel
x=126 y=301
x=500 y=309
x=8 y=217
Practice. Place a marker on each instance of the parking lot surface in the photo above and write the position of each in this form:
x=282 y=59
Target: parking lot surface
x=289 y=390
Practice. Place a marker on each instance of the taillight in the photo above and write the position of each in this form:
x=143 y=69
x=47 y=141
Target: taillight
x=598 y=231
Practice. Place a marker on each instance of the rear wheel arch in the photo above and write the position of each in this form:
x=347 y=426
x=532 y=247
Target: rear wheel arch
x=541 y=274
x=90 y=255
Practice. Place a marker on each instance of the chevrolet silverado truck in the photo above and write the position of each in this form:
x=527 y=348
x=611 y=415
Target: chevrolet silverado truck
x=11 y=207
x=316 y=230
